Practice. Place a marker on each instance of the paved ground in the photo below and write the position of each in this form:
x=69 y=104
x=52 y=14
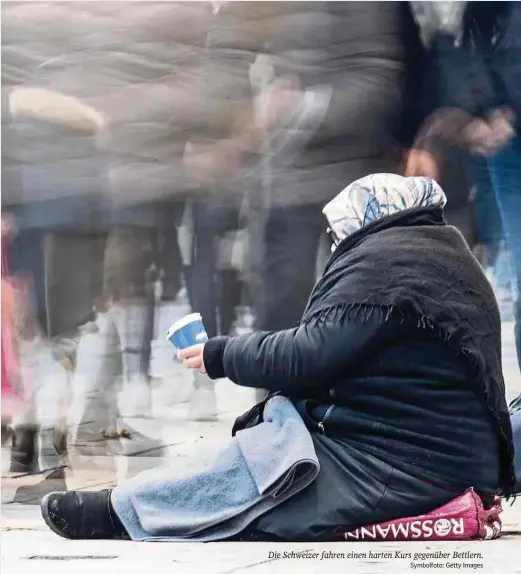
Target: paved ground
x=28 y=547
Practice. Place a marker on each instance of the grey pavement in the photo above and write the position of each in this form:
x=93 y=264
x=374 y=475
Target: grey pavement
x=35 y=550
x=27 y=546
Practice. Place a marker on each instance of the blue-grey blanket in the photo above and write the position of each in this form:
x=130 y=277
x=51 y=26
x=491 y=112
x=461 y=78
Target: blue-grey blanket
x=259 y=469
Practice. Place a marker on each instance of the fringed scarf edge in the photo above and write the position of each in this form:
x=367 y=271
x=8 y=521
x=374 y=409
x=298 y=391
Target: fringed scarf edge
x=363 y=311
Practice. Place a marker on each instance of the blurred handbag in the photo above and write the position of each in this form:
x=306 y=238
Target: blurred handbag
x=233 y=247
x=233 y=250
x=253 y=417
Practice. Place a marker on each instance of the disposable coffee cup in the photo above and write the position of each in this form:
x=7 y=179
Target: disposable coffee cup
x=187 y=332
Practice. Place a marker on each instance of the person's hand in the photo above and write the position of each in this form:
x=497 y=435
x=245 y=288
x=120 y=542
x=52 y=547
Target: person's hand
x=485 y=137
x=481 y=137
x=421 y=163
x=192 y=358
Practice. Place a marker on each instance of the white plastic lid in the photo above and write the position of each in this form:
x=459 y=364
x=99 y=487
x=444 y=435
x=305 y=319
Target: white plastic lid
x=183 y=322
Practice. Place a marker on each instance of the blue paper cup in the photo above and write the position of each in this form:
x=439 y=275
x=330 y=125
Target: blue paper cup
x=187 y=332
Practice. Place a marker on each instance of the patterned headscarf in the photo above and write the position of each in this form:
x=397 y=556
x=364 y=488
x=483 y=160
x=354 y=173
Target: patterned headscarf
x=377 y=196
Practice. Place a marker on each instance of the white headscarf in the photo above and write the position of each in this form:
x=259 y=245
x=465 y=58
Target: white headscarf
x=377 y=196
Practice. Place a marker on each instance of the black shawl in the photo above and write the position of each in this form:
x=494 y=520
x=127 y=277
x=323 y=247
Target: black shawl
x=415 y=264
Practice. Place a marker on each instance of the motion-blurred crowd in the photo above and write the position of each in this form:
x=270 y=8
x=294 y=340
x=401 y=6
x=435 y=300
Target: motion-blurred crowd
x=162 y=157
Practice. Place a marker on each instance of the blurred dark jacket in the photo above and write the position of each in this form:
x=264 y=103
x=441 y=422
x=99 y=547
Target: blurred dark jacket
x=363 y=51
x=151 y=54
x=473 y=67
x=136 y=65
x=479 y=63
x=492 y=41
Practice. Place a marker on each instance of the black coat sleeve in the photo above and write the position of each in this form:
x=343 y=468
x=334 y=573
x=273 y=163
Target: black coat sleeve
x=298 y=359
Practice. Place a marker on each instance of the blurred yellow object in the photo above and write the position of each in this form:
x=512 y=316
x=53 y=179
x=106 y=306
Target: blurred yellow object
x=56 y=108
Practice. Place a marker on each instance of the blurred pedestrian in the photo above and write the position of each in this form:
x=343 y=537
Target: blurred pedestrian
x=148 y=60
x=55 y=192
x=331 y=115
x=482 y=113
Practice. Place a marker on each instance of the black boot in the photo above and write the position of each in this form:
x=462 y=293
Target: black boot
x=82 y=515
x=7 y=433
x=52 y=463
x=24 y=450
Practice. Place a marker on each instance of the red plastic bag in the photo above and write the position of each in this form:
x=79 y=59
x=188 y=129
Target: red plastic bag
x=464 y=518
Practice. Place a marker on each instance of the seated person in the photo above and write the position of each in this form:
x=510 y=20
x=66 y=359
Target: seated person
x=395 y=368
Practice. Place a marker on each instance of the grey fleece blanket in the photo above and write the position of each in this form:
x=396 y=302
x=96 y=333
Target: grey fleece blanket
x=259 y=469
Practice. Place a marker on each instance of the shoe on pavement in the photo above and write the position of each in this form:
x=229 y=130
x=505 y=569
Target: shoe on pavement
x=24 y=456
x=33 y=493
x=95 y=443
x=82 y=515
x=134 y=443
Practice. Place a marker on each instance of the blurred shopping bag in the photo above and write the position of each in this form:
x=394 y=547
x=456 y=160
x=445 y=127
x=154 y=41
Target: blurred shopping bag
x=12 y=401
x=233 y=250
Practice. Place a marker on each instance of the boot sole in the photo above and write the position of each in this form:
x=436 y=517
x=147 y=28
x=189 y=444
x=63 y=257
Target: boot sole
x=44 y=507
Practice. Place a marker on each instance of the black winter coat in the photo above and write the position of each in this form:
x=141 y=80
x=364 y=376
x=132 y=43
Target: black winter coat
x=383 y=380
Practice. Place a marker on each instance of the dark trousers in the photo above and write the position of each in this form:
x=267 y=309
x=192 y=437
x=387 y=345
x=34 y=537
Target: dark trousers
x=489 y=227
x=214 y=293
x=288 y=271
x=505 y=169
x=66 y=273
x=26 y=255
x=353 y=489
x=128 y=258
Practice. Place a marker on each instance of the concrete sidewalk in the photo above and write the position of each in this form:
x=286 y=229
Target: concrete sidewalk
x=27 y=547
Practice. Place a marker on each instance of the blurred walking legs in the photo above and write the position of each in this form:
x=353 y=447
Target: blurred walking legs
x=506 y=177
x=214 y=292
x=128 y=258
x=288 y=270
x=492 y=250
x=291 y=242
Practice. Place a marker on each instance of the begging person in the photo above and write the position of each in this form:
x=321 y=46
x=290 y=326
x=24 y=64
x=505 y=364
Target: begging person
x=395 y=369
